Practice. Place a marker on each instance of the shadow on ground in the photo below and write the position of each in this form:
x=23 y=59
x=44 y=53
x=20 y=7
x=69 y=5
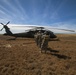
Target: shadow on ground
x=54 y=53
x=61 y=56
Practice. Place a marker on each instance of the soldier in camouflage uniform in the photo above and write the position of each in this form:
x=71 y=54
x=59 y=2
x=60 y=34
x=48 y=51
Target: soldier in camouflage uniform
x=45 y=41
x=39 y=35
x=38 y=38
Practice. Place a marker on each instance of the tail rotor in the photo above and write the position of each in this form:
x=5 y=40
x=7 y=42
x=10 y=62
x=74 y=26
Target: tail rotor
x=4 y=25
x=7 y=23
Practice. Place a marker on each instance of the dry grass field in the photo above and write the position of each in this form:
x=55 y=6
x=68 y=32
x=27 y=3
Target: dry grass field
x=23 y=57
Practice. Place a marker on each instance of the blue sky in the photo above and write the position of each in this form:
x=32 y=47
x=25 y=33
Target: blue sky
x=55 y=13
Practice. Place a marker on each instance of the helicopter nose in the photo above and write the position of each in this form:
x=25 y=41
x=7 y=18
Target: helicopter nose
x=53 y=36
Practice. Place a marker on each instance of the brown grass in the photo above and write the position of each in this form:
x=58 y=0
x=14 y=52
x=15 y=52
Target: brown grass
x=23 y=57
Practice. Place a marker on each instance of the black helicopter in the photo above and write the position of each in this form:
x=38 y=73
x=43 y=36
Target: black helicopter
x=30 y=33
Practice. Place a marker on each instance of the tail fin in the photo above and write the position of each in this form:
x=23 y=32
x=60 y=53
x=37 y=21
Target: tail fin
x=8 y=32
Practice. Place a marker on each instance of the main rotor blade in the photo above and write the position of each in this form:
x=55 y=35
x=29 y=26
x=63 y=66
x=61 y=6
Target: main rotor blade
x=8 y=23
x=24 y=26
x=45 y=27
x=63 y=29
x=54 y=28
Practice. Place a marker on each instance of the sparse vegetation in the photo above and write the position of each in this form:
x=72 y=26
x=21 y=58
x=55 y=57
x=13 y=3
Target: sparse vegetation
x=23 y=57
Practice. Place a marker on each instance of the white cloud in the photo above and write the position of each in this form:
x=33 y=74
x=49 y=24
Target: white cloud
x=16 y=28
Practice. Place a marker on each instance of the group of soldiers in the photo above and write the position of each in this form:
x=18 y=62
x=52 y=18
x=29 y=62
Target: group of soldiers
x=42 y=40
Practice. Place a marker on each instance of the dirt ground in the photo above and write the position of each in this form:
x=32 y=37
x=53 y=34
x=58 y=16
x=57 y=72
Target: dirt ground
x=23 y=57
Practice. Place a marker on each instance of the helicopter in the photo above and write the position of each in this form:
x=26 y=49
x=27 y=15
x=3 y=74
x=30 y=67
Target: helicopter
x=30 y=33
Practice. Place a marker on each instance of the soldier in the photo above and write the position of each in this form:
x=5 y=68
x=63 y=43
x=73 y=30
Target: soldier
x=38 y=38
x=45 y=41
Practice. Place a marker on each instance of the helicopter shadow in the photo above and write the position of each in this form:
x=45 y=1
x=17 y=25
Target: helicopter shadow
x=56 y=53
x=11 y=39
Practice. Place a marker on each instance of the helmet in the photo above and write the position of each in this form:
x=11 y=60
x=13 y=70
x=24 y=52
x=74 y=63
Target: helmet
x=46 y=32
x=39 y=31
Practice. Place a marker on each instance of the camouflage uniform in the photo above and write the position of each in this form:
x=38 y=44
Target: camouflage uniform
x=38 y=38
x=45 y=41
